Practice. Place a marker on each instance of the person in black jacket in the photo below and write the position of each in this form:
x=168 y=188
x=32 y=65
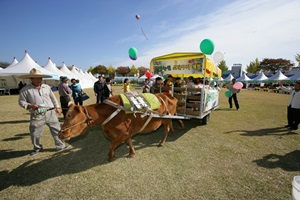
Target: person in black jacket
x=98 y=89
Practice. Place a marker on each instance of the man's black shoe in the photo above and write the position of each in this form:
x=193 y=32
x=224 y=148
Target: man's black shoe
x=36 y=151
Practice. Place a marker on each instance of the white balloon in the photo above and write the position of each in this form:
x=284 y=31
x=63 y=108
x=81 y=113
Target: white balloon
x=218 y=57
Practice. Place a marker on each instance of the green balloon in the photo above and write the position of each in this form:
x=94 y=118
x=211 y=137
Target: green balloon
x=165 y=76
x=228 y=94
x=133 y=53
x=207 y=46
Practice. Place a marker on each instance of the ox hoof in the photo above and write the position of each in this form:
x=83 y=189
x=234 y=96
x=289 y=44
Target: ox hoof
x=111 y=159
x=130 y=155
x=160 y=145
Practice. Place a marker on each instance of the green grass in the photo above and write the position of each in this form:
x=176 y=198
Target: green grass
x=244 y=154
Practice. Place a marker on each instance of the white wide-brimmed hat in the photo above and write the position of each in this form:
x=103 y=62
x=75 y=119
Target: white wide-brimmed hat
x=35 y=73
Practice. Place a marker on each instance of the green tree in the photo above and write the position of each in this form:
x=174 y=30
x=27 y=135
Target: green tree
x=91 y=69
x=111 y=70
x=4 y=64
x=133 y=70
x=222 y=65
x=271 y=64
x=142 y=70
x=100 y=69
x=253 y=67
x=123 y=70
x=297 y=57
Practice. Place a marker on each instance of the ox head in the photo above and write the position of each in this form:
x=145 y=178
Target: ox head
x=75 y=124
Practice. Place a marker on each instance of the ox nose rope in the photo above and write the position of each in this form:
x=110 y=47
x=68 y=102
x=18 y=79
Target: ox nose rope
x=89 y=118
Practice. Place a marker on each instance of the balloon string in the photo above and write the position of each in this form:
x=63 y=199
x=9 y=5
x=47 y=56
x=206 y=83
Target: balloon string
x=144 y=33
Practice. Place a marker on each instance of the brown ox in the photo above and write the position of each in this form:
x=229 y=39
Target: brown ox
x=121 y=127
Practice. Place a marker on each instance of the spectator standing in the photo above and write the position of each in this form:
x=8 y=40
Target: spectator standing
x=234 y=94
x=293 y=110
x=98 y=89
x=76 y=91
x=64 y=94
x=107 y=90
x=126 y=85
x=21 y=85
x=37 y=95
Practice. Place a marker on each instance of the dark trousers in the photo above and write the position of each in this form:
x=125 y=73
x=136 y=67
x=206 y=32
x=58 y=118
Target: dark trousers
x=64 y=101
x=289 y=115
x=293 y=117
x=236 y=103
x=78 y=100
x=99 y=98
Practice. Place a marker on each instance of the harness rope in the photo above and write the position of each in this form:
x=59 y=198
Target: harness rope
x=89 y=118
x=149 y=112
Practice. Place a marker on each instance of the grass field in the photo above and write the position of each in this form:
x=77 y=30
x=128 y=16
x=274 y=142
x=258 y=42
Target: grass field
x=246 y=154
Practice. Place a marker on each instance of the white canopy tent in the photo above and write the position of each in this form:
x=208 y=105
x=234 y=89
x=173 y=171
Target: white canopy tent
x=88 y=83
x=89 y=79
x=93 y=77
x=11 y=73
x=228 y=78
x=82 y=79
x=244 y=78
x=68 y=73
x=13 y=62
x=52 y=68
x=295 y=77
x=278 y=77
x=260 y=77
x=143 y=78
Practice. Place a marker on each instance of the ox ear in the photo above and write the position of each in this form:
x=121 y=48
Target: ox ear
x=70 y=104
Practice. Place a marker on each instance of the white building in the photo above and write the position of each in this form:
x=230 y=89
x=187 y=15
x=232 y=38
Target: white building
x=236 y=70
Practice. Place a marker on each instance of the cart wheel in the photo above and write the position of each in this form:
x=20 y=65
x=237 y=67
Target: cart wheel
x=205 y=119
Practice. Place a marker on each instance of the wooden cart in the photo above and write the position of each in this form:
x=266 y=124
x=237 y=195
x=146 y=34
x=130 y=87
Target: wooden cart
x=192 y=102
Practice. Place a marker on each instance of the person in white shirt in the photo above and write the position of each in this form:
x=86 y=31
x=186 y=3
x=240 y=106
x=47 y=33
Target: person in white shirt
x=293 y=112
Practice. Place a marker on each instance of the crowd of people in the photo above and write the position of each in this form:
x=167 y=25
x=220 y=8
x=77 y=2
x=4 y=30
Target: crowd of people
x=160 y=85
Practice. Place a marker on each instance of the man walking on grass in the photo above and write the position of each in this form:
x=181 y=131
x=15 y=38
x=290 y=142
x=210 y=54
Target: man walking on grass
x=234 y=95
x=40 y=101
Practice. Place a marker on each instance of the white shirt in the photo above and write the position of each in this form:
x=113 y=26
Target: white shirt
x=295 y=97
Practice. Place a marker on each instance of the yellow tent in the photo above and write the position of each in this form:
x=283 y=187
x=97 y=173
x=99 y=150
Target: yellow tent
x=185 y=64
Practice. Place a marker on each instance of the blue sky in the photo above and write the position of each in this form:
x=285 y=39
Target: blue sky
x=92 y=32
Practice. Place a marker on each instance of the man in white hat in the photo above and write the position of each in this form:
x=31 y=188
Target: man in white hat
x=39 y=99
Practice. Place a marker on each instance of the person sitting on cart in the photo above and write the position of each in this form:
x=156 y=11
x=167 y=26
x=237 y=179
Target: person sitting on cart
x=177 y=84
x=190 y=84
x=198 y=84
x=168 y=85
x=156 y=87
x=146 y=87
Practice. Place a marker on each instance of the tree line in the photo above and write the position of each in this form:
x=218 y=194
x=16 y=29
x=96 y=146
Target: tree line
x=121 y=70
x=267 y=64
